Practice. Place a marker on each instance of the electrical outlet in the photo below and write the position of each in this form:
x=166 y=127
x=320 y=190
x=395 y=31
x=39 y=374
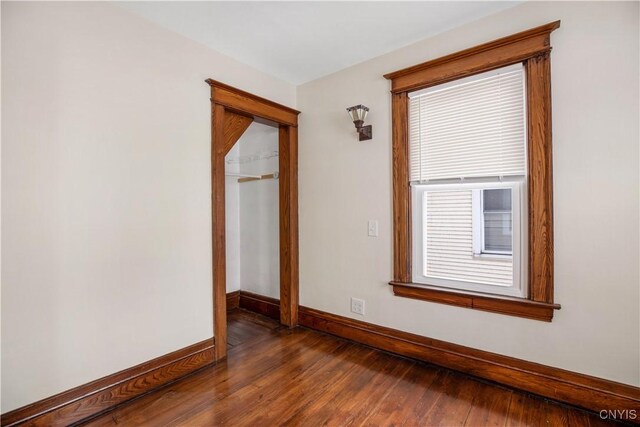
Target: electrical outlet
x=372 y=228
x=357 y=306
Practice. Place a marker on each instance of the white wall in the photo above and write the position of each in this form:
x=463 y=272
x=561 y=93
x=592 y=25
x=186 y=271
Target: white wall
x=343 y=183
x=232 y=221
x=106 y=198
x=251 y=208
x=259 y=207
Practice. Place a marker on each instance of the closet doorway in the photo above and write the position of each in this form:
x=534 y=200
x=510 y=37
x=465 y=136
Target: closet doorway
x=232 y=112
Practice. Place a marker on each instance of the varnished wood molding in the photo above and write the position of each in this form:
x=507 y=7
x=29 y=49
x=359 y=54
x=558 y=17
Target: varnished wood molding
x=540 y=182
x=498 y=53
x=232 y=111
x=496 y=304
x=234 y=127
x=401 y=189
x=93 y=398
x=532 y=48
x=288 y=210
x=233 y=300
x=581 y=390
x=260 y=304
x=246 y=103
x=218 y=228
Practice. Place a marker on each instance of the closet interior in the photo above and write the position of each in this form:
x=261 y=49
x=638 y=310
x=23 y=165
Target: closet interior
x=252 y=213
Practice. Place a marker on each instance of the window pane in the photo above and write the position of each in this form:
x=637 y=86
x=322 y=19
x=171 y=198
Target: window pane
x=497 y=199
x=498 y=227
x=448 y=242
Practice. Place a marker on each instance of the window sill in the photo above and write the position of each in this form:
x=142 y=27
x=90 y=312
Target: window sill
x=496 y=304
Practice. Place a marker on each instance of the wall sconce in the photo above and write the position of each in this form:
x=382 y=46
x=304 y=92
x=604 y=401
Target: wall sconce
x=358 y=113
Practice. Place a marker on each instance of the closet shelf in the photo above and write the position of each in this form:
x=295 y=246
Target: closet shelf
x=246 y=178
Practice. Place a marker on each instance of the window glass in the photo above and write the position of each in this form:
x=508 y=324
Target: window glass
x=448 y=238
x=497 y=221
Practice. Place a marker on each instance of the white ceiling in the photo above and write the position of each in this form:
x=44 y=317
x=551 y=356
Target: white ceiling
x=301 y=41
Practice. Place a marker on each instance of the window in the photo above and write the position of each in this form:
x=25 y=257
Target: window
x=467 y=236
x=467 y=154
x=472 y=196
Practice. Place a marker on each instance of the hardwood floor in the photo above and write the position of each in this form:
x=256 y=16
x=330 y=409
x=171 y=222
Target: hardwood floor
x=277 y=376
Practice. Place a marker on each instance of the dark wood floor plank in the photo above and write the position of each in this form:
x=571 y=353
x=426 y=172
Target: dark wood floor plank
x=427 y=400
x=239 y=374
x=247 y=363
x=526 y=411
x=279 y=376
x=269 y=385
x=576 y=417
x=490 y=407
x=246 y=331
x=342 y=393
x=306 y=388
x=366 y=400
x=555 y=415
x=452 y=405
x=255 y=318
x=403 y=397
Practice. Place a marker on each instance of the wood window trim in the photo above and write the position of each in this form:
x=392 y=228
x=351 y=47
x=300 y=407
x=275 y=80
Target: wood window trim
x=519 y=307
x=532 y=48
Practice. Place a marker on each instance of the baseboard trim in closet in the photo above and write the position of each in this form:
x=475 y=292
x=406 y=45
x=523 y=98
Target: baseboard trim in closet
x=233 y=300
x=584 y=391
x=266 y=306
x=96 y=397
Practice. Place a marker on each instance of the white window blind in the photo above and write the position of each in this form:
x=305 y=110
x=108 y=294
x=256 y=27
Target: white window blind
x=473 y=127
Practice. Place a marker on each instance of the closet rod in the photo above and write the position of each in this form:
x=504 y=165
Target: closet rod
x=242 y=175
x=259 y=177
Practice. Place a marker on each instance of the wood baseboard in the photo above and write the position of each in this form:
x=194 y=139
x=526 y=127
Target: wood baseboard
x=266 y=306
x=233 y=300
x=98 y=396
x=584 y=391
x=580 y=390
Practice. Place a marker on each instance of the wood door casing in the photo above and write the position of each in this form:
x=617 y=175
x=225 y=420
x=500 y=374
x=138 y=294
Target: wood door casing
x=232 y=111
